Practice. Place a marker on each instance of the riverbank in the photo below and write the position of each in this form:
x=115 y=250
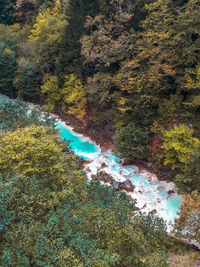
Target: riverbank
x=152 y=195
x=103 y=137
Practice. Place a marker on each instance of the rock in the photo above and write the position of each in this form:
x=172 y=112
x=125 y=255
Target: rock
x=116 y=185
x=122 y=186
x=105 y=177
x=101 y=173
x=149 y=165
x=103 y=165
x=130 y=198
x=108 y=179
x=139 y=191
x=158 y=200
x=128 y=186
x=154 y=211
x=170 y=192
x=144 y=206
x=121 y=172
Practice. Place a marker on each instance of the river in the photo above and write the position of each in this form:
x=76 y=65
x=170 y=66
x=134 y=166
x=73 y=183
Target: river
x=150 y=193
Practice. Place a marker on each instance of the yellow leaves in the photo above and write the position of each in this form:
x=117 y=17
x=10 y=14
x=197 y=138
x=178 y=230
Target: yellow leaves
x=50 y=87
x=33 y=150
x=7 y=52
x=122 y=101
x=49 y=27
x=73 y=95
x=178 y=144
x=192 y=78
x=122 y=105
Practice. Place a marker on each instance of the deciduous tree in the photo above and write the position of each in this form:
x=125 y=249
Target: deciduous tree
x=178 y=144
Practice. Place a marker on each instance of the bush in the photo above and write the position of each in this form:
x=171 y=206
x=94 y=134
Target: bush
x=189 y=180
x=130 y=142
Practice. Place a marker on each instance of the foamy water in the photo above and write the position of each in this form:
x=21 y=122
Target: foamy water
x=150 y=193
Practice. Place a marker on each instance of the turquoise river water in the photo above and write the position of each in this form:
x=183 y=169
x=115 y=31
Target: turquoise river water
x=150 y=193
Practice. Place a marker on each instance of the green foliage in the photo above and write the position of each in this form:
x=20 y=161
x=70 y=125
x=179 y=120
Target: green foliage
x=115 y=62
x=71 y=96
x=188 y=223
x=189 y=179
x=170 y=109
x=131 y=142
x=47 y=36
x=27 y=79
x=98 y=89
x=37 y=154
x=7 y=69
x=178 y=144
x=17 y=114
x=193 y=85
x=11 y=35
x=7 y=15
x=51 y=216
x=51 y=89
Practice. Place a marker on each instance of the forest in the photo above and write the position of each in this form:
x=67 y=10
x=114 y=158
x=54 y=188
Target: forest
x=128 y=70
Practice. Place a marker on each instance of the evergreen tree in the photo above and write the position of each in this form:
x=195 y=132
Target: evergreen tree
x=8 y=69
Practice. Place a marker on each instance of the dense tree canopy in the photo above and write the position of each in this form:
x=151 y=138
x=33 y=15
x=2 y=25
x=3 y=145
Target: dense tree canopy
x=7 y=69
x=129 y=67
x=130 y=142
x=189 y=179
x=50 y=215
x=178 y=144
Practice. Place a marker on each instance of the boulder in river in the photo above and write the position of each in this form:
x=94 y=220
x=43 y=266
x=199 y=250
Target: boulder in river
x=144 y=206
x=153 y=211
x=116 y=185
x=105 y=177
x=130 y=197
x=103 y=165
x=170 y=192
x=158 y=200
x=128 y=186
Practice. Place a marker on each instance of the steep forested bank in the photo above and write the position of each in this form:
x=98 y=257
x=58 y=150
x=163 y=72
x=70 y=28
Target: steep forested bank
x=51 y=216
x=127 y=68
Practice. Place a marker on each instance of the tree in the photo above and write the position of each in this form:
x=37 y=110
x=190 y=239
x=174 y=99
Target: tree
x=16 y=114
x=27 y=79
x=178 y=144
x=188 y=223
x=47 y=36
x=51 y=215
x=73 y=96
x=7 y=15
x=98 y=89
x=131 y=142
x=189 y=179
x=51 y=88
x=31 y=151
x=193 y=85
x=8 y=69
